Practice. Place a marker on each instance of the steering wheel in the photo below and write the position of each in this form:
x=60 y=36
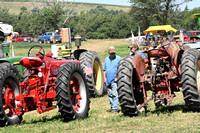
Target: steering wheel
x=39 y=53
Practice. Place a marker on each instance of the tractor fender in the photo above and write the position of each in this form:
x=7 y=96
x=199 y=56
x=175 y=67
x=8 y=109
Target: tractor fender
x=139 y=65
x=177 y=61
x=78 y=52
x=177 y=58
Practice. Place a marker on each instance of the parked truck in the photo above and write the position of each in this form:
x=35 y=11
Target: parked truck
x=48 y=38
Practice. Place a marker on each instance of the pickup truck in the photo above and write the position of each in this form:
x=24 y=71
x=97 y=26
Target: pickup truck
x=22 y=38
x=48 y=38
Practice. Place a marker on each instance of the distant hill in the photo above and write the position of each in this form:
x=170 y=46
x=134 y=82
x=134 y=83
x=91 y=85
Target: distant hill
x=14 y=7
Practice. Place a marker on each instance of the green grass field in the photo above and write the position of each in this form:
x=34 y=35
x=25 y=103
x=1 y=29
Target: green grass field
x=173 y=118
x=14 y=7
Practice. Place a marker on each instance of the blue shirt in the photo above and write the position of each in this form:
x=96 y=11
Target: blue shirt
x=139 y=53
x=110 y=66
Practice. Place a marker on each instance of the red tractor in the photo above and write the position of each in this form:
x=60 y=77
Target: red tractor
x=167 y=68
x=47 y=80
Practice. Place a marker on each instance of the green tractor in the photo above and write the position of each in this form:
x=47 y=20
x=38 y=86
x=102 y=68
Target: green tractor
x=5 y=61
x=87 y=58
x=9 y=62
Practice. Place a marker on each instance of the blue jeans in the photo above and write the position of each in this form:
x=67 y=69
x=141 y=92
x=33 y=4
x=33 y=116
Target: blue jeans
x=113 y=96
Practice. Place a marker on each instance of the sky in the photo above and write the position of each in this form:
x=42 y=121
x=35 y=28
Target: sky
x=191 y=5
x=113 y=2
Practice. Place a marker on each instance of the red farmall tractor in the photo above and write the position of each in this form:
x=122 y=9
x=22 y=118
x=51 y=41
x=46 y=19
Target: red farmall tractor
x=47 y=80
x=162 y=73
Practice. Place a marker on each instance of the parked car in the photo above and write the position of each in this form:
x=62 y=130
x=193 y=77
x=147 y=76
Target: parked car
x=82 y=38
x=22 y=38
x=48 y=37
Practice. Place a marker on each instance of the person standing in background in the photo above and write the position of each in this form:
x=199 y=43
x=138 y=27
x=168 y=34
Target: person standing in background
x=110 y=73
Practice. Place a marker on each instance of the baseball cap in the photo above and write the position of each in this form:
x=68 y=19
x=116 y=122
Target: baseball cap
x=111 y=50
x=133 y=45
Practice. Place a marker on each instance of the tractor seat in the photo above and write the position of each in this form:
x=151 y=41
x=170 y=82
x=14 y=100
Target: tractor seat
x=31 y=62
x=50 y=54
x=63 y=52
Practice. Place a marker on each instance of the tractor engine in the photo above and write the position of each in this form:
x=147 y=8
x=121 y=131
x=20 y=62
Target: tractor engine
x=38 y=86
x=165 y=81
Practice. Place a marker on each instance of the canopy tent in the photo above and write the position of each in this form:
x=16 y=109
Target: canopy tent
x=197 y=15
x=166 y=28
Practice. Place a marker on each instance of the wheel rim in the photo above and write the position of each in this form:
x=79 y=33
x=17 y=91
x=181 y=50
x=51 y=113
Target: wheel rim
x=78 y=92
x=97 y=75
x=198 y=81
x=9 y=92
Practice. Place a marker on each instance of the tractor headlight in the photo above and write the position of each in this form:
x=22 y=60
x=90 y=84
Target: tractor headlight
x=40 y=74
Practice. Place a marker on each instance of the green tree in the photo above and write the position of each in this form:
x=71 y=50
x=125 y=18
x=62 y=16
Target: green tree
x=153 y=12
x=190 y=23
x=7 y=17
x=23 y=9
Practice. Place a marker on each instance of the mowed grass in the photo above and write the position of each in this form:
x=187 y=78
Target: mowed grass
x=173 y=118
x=15 y=7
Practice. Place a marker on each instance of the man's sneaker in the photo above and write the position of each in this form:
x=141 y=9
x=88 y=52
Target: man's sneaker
x=115 y=111
x=109 y=110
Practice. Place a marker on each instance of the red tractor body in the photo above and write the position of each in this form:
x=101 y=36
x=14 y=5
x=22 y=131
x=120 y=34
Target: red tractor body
x=40 y=86
x=161 y=73
x=167 y=77
x=47 y=80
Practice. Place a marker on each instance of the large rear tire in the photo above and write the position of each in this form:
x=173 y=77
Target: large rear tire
x=190 y=77
x=9 y=88
x=95 y=80
x=72 y=92
x=129 y=98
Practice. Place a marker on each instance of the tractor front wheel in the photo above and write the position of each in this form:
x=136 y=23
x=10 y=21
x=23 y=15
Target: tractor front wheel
x=9 y=88
x=130 y=99
x=72 y=92
x=95 y=80
x=190 y=77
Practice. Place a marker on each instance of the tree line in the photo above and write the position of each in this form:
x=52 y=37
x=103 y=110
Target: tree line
x=101 y=23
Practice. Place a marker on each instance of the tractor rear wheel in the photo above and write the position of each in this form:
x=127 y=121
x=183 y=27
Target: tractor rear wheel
x=190 y=77
x=129 y=98
x=72 y=92
x=95 y=80
x=9 y=88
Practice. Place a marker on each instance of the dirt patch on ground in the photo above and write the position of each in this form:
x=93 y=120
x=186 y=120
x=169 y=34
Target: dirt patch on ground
x=102 y=45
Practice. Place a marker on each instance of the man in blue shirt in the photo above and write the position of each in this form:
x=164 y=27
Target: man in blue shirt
x=110 y=73
x=134 y=49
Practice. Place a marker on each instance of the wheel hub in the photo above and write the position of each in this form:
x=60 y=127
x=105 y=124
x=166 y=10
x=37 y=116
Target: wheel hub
x=9 y=99
x=75 y=93
x=97 y=75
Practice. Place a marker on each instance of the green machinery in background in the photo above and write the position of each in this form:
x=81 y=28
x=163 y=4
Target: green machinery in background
x=4 y=58
x=197 y=15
